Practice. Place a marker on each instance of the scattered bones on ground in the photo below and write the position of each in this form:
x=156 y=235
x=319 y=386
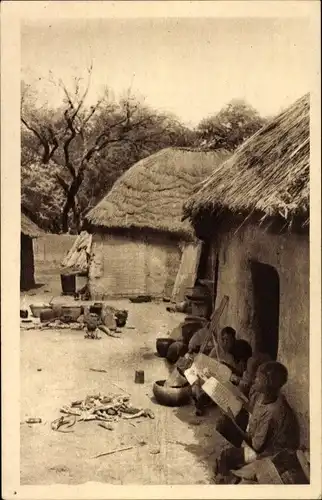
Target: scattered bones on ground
x=100 y=408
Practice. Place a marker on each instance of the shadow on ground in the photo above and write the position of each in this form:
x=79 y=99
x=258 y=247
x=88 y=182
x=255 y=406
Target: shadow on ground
x=33 y=287
x=209 y=442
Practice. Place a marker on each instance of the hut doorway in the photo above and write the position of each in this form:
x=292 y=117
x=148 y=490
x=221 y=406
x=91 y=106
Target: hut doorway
x=266 y=300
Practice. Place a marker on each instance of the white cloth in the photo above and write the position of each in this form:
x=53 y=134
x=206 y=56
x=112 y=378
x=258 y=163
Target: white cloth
x=249 y=454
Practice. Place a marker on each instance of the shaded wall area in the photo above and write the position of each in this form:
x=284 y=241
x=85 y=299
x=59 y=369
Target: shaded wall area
x=121 y=266
x=27 y=266
x=287 y=256
x=52 y=248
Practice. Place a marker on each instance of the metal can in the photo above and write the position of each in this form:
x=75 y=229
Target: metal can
x=139 y=377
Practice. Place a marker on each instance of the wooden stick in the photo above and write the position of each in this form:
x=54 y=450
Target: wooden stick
x=120 y=388
x=114 y=451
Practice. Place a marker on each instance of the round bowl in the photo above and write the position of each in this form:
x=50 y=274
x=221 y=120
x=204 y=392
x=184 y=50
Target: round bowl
x=162 y=346
x=171 y=396
x=36 y=309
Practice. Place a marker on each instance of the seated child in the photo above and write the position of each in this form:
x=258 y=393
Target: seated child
x=242 y=351
x=224 y=424
x=225 y=347
x=272 y=424
x=226 y=343
x=249 y=374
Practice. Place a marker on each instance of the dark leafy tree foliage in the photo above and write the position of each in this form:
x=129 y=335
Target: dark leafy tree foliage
x=229 y=128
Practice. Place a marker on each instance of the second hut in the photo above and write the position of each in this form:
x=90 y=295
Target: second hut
x=139 y=240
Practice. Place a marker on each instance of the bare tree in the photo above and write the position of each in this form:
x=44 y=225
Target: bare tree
x=76 y=134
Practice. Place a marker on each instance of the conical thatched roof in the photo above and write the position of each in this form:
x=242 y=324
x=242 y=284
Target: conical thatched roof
x=268 y=175
x=29 y=228
x=151 y=194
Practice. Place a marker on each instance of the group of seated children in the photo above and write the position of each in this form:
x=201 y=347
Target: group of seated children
x=268 y=426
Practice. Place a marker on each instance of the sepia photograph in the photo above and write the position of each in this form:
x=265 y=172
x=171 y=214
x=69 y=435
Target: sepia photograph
x=165 y=223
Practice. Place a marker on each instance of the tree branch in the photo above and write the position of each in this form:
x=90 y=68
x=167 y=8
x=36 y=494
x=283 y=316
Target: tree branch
x=32 y=129
x=67 y=143
x=41 y=138
x=54 y=141
x=62 y=183
x=89 y=116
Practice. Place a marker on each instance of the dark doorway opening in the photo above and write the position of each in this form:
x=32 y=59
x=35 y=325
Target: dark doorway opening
x=203 y=261
x=27 y=268
x=266 y=300
x=208 y=269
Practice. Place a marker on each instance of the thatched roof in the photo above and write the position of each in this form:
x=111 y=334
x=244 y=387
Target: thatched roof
x=29 y=228
x=151 y=194
x=267 y=176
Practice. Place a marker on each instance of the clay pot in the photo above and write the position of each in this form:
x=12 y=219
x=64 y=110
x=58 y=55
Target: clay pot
x=175 y=351
x=36 y=310
x=73 y=312
x=47 y=314
x=197 y=292
x=171 y=396
x=162 y=346
x=189 y=328
x=96 y=308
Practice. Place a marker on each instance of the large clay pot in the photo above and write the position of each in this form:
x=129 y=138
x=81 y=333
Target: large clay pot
x=171 y=396
x=189 y=328
x=47 y=314
x=73 y=312
x=162 y=346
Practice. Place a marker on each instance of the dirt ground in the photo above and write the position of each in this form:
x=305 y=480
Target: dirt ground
x=55 y=370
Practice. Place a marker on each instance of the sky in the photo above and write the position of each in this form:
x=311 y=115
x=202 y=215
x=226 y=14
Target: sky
x=190 y=67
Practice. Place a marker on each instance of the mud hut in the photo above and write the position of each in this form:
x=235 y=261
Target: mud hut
x=140 y=244
x=254 y=213
x=29 y=231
